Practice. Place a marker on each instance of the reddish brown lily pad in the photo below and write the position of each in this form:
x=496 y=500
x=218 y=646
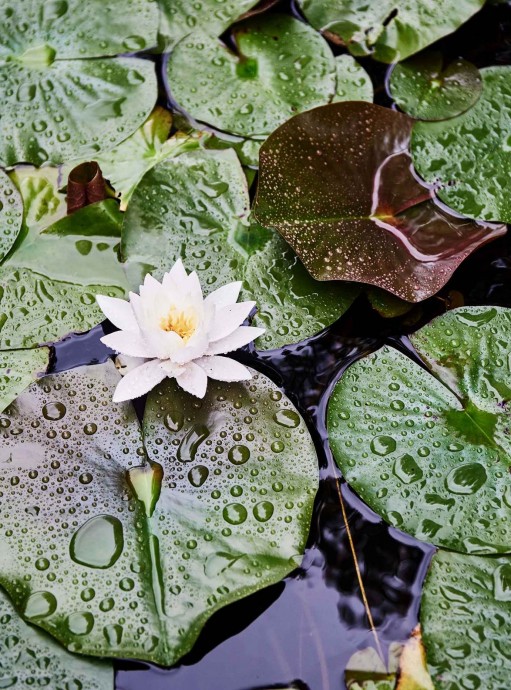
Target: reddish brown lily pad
x=337 y=182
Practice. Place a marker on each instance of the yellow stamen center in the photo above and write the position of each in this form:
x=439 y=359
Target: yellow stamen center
x=180 y=322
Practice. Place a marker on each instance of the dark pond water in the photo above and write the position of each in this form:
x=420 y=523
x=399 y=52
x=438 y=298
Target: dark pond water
x=303 y=630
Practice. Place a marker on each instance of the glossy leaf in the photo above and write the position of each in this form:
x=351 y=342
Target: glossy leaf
x=49 y=282
x=196 y=207
x=464 y=613
x=429 y=447
x=281 y=67
x=353 y=82
x=386 y=30
x=427 y=90
x=18 y=368
x=31 y=658
x=129 y=559
x=11 y=214
x=374 y=223
x=468 y=158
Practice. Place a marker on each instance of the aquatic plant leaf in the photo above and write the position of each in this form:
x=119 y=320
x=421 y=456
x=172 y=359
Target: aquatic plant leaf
x=429 y=448
x=281 y=67
x=413 y=671
x=353 y=82
x=373 y=222
x=468 y=158
x=126 y=557
x=427 y=90
x=49 y=281
x=179 y=17
x=30 y=658
x=18 y=368
x=464 y=612
x=386 y=30
x=196 y=207
x=11 y=214
x=71 y=109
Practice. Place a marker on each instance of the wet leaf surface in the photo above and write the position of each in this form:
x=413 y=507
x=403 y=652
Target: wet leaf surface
x=464 y=614
x=353 y=82
x=11 y=214
x=427 y=89
x=281 y=67
x=387 y=30
x=18 y=368
x=126 y=558
x=374 y=223
x=196 y=207
x=468 y=158
x=430 y=451
x=31 y=658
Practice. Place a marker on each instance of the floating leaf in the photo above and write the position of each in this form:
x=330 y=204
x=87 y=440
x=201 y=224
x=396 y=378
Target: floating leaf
x=427 y=90
x=430 y=451
x=374 y=223
x=196 y=207
x=386 y=30
x=117 y=557
x=11 y=214
x=281 y=67
x=464 y=613
x=31 y=658
x=85 y=185
x=18 y=368
x=366 y=670
x=49 y=282
x=353 y=82
x=468 y=158
x=413 y=672
x=55 y=105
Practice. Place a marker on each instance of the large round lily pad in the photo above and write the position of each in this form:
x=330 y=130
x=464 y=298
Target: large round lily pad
x=18 y=368
x=281 y=67
x=337 y=184
x=56 y=105
x=466 y=604
x=468 y=158
x=388 y=30
x=118 y=556
x=427 y=90
x=429 y=447
x=196 y=207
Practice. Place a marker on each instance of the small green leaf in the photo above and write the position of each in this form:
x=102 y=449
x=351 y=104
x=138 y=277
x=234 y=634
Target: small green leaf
x=11 y=214
x=18 y=368
x=353 y=82
x=427 y=90
x=429 y=448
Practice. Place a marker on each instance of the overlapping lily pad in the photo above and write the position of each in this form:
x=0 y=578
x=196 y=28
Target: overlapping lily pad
x=374 y=222
x=55 y=104
x=387 y=30
x=31 y=658
x=429 y=447
x=18 y=368
x=127 y=557
x=465 y=611
x=11 y=214
x=196 y=206
x=353 y=82
x=281 y=67
x=468 y=158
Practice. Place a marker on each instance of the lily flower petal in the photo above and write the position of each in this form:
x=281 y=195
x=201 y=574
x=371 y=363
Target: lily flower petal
x=241 y=336
x=139 y=381
x=193 y=380
x=224 y=368
x=227 y=319
x=118 y=312
x=124 y=364
x=129 y=343
x=225 y=295
x=177 y=274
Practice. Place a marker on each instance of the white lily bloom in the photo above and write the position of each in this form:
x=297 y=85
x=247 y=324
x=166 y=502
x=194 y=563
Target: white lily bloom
x=175 y=332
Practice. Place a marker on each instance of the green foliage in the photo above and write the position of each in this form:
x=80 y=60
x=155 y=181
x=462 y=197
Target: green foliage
x=11 y=214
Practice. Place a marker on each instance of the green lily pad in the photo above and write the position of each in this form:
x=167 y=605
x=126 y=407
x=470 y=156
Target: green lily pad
x=180 y=17
x=11 y=214
x=31 y=658
x=281 y=67
x=196 y=207
x=49 y=282
x=373 y=224
x=427 y=90
x=353 y=82
x=18 y=368
x=468 y=158
x=465 y=611
x=55 y=105
x=117 y=556
x=429 y=448
x=386 y=30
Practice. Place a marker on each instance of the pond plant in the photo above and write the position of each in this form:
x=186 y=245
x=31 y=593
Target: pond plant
x=255 y=344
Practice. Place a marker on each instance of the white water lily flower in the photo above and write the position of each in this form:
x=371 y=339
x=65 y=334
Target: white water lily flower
x=175 y=332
